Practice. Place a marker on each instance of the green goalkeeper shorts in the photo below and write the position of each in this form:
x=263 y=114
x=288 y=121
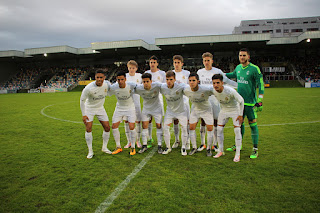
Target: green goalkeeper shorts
x=249 y=112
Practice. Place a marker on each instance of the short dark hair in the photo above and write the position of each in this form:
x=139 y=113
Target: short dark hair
x=193 y=74
x=170 y=73
x=178 y=57
x=100 y=71
x=146 y=75
x=245 y=50
x=217 y=76
x=121 y=73
x=154 y=58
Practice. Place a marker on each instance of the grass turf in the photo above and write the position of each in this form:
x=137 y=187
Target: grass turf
x=44 y=166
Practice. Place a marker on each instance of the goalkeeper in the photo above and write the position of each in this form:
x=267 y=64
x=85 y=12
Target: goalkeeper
x=249 y=78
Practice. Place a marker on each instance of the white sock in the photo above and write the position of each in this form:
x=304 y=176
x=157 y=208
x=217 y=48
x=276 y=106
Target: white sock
x=127 y=130
x=188 y=131
x=238 y=140
x=159 y=136
x=116 y=136
x=184 y=136
x=193 y=138
x=203 y=135
x=138 y=131
x=176 y=131
x=215 y=135
x=220 y=137
x=88 y=136
x=166 y=135
x=144 y=136
x=209 y=139
x=150 y=130
x=105 y=137
x=133 y=138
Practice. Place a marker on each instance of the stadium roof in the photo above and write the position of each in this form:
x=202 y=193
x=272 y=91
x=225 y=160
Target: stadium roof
x=134 y=45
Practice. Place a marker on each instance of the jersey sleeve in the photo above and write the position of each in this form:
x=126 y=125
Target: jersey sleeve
x=229 y=81
x=232 y=74
x=239 y=99
x=83 y=98
x=259 y=80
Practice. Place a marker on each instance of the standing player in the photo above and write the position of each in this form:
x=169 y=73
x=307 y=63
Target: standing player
x=124 y=109
x=231 y=107
x=157 y=76
x=201 y=108
x=175 y=110
x=91 y=104
x=149 y=92
x=249 y=78
x=132 y=76
x=205 y=77
x=181 y=77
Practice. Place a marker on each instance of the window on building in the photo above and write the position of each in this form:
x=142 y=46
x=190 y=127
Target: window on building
x=313 y=21
x=284 y=23
x=266 y=31
x=296 y=30
x=246 y=32
x=286 y=31
x=291 y=22
x=312 y=29
x=278 y=30
x=305 y=22
x=269 y=22
x=253 y=25
x=255 y=32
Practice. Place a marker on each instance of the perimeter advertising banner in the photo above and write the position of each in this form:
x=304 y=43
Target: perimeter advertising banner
x=85 y=82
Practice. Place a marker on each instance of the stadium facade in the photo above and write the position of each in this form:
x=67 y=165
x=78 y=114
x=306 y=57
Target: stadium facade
x=304 y=43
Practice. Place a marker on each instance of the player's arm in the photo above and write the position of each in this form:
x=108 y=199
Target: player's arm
x=83 y=98
x=229 y=81
x=240 y=100
x=260 y=83
x=232 y=74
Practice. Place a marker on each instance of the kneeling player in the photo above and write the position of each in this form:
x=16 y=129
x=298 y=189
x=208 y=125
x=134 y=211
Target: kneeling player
x=151 y=108
x=175 y=110
x=91 y=104
x=201 y=108
x=124 y=108
x=232 y=105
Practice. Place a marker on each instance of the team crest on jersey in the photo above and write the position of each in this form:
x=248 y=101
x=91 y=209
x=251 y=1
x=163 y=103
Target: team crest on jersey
x=158 y=77
x=227 y=99
x=202 y=95
x=248 y=72
x=137 y=80
x=183 y=77
x=130 y=91
x=177 y=92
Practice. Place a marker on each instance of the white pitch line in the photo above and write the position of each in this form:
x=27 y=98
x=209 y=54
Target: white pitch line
x=109 y=200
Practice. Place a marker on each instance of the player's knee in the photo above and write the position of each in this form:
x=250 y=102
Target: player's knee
x=158 y=126
x=209 y=127
x=106 y=128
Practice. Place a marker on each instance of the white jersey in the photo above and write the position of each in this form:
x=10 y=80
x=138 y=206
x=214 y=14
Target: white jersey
x=138 y=80
x=174 y=97
x=93 y=96
x=158 y=76
x=205 y=77
x=182 y=77
x=230 y=100
x=124 y=96
x=151 y=101
x=200 y=98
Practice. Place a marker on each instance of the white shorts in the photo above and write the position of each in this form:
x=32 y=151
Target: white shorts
x=182 y=117
x=138 y=114
x=224 y=118
x=128 y=115
x=157 y=115
x=207 y=116
x=215 y=106
x=100 y=113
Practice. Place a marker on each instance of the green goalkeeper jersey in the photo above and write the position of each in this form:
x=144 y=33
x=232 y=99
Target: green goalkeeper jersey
x=248 y=79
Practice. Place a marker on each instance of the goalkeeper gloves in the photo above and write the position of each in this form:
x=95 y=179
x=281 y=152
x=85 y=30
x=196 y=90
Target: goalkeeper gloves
x=258 y=105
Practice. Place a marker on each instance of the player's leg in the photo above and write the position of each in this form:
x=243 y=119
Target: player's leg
x=158 y=119
x=238 y=137
x=222 y=120
x=138 y=125
x=88 y=137
x=132 y=119
x=150 y=140
x=176 y=133
x=166 y=131
x=183 y=120
x=187 y=106
x=202 y=135
x=242 y=129
x=144 y=133
x=193 y=121
x=127 y=132
x=252 y=118
x=208 y=119
x=105 y=136
x=116 y=119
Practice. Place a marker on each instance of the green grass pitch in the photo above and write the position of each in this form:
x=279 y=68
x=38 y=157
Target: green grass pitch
x=44 y=166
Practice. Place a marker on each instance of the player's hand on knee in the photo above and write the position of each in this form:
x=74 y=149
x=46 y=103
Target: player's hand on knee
x=85 y=119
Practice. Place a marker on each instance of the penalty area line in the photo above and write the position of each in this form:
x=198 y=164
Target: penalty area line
x=109 y=200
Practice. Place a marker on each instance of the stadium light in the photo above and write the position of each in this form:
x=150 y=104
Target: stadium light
x=308 y=40
x=94 y=51
x=45 y=54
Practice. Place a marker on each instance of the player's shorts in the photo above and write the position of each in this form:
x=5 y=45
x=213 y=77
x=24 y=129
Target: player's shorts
x=170 y=116
x=249 y=112
x=156 y=114
x=138 y=114
x=100 y=113
x=215 y=106
x=128 y=115
x=207 y=116
x=224 y=118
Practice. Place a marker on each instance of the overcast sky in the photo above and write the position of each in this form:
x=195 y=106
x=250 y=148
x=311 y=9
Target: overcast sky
x=77 y=23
